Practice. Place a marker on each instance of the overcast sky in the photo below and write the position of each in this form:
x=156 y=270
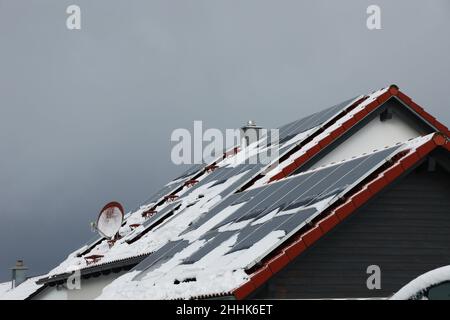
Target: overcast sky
x=86 y=115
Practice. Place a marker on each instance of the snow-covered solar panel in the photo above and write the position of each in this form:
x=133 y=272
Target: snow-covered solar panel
x=254 y=233
x=164 y=253
x=252 y=169
x=153 y=220
x=164 y=191
x=228 y=197
x=296 y=219
x=293 y=199
x=213 y=243
x=210 y=214
x=161 y=214
x=191 y=170
x=275 y=193
x=296 y=196
x=217 y=174
x=222 y=173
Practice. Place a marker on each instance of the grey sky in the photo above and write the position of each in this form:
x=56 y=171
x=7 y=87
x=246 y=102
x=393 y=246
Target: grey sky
x=86 y=116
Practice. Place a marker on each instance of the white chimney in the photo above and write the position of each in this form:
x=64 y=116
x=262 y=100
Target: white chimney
x=250 y=133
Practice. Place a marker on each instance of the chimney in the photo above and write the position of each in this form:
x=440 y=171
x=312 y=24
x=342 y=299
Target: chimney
x=19 y=273
x=250 y=133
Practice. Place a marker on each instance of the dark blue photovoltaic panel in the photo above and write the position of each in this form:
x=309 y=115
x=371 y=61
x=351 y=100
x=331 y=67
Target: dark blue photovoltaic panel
x=289 y=130
x=228 y=201
x=161 y=214
x=286 y=223
x=275 y=194
x=255 y=233
x=219 y=173
x=222 y=173
x=164 y=253
x=307 y=190
x=292 y=194
x=218 y=183
x=297 y=219
x=164 y=191
x=293 y=198
x=212 y=244
x=208 y=215
x=367 y=165
x=192 y=170
x=168 y=188
x=251 y=171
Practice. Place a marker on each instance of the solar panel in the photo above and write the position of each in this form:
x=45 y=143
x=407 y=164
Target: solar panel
x=297 y=219
x=253 y=198
x=218 y=183
x=212 y=244
x=272 y=194
x=156 y=258
x=172 y=186
x=229 y=199
x=219 y=173
x=291 y=129
x=328 y=113
x=335 y=178
x=210 y=214
x=252 y=234
x=251 y=171
x=311 y=188
x=292 y=197
x=304 y=188
x=164 y=191
x=153 y=220
x=160 y=215
x=191 y=170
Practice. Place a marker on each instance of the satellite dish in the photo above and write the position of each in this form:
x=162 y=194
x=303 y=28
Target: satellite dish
x=110 y=220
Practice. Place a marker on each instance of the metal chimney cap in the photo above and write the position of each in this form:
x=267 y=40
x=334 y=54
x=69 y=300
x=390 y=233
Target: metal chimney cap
x=19 y=265
x=251 y=124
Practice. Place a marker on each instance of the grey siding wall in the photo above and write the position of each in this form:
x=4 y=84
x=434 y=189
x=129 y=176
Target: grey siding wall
x=405 y=231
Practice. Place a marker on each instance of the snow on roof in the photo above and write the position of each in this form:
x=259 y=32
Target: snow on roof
x=22 y=291
x=211 y=234
x=211 y=188
x=422 y=282
x=4 y=287
x=218 y=253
